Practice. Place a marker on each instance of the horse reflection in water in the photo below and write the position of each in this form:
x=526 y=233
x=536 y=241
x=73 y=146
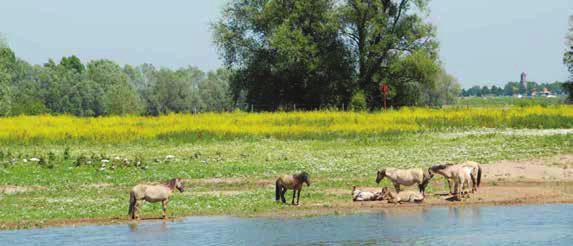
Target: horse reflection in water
x=150 y=229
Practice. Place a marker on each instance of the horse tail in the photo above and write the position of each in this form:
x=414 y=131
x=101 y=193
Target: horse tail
x=479 y=176
x=132 y=201
x=277 y=190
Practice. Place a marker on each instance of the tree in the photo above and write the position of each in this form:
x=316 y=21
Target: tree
x=7 y=70
x=446 y=90
x=568 y=59
x=285 y=52
x=119 y=96
x=172 y=92
x=384 y=33
x=214 y=91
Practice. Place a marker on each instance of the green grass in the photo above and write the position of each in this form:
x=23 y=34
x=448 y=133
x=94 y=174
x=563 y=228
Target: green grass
x=508 y=101
x=61 y=190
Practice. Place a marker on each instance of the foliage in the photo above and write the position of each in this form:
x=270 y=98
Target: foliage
x=568 y=59
x=358 y=101
x=513 y=88
x=285 y=52
x=102 y=87
x=387 y=38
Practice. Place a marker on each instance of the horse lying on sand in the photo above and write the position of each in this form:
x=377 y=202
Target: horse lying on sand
x=447 y=170
x=152 y=193
x=362 y=196
x=293 y=182
x=401 y=197
x=406 y=177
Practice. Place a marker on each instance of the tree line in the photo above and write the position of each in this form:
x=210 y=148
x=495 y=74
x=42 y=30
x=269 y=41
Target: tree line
x=316 y=53
x=102 y=87
x=514 y=88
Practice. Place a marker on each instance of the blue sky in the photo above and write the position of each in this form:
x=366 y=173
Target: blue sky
x=482 y=42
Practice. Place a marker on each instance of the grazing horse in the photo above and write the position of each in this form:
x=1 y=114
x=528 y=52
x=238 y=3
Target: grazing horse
x=152 y=193
x=447 y=170
x=293 y=182
x=406 y=177
x=401 y=197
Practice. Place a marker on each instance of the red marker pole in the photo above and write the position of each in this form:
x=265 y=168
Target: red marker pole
x=384 y=89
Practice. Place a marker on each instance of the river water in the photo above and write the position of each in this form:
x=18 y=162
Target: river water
x=490 y=225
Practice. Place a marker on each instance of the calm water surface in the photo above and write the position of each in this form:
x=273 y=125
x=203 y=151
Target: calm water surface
x=512 y=225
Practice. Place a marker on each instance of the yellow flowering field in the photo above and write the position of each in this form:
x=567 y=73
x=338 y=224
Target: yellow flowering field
x=284 y=125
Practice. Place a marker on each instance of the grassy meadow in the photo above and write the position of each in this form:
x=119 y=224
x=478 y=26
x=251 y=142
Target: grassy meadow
x=51 y=167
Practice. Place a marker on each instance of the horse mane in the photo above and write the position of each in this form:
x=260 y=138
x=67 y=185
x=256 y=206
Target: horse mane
x=441 y=167
x=172 y=183
x=302 y=176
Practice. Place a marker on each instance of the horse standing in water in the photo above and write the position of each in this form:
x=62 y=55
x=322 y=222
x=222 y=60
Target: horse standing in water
x=293 y=182
x=406 y=177
x=152 y=193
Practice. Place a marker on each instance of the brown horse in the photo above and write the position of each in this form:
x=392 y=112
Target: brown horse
x=293 y=182
x=152 y=193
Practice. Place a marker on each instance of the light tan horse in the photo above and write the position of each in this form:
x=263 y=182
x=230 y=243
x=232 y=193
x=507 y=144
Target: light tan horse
x=401 y=197
x=462 y=175
x=362 y=196
x=447 y=170
x=293 y=182
x=152 y=193
x=406 y=177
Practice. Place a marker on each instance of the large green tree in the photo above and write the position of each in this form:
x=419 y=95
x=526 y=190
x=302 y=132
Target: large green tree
x=568 y=59
x=385 y=36
x=7 y=71
x=285 y=52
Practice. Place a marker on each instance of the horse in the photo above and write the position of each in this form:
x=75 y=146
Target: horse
x=293 y=182
x=153 y=193
x=462 y=175
x=447 y=170
x=401 y=197
x=406 y=177
x=361 y=196
x=476 y=174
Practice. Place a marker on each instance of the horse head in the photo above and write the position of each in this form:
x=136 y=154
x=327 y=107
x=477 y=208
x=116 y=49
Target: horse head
x=429 y=174
x=303 y=177
x=380 y=175
x=176 y=184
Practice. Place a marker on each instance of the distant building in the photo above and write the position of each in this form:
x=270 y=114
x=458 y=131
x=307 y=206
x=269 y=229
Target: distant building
x=523 y=84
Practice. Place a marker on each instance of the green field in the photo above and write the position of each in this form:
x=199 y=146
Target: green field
x=234 y=177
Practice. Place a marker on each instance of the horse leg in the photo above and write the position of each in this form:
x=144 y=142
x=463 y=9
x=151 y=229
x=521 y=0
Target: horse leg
x=136 y=209
x=283 y=192
x=456 y=189
x=474 y=184
x=450 y=186
x=397 y=187
x=164 y=208
x=293 y=195
x=298 y=196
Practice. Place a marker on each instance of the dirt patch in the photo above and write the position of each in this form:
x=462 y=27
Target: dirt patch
x=12 y=189
x=506 y=194
x=554 y=169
